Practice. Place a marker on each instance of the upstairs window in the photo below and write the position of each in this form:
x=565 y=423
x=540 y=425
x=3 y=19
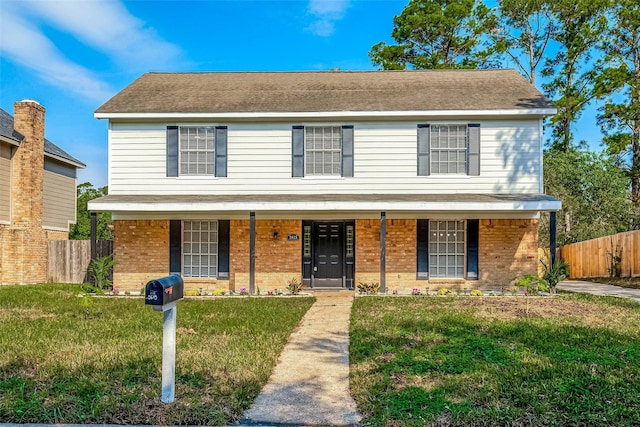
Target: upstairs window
x=197 y=151
x=322 y=151
x=448 y=149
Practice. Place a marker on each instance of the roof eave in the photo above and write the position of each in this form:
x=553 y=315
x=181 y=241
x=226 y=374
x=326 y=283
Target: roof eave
x=515 y=112
x=77 y=165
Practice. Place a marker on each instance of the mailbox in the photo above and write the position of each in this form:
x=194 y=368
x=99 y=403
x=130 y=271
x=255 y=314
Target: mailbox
x=163 y=291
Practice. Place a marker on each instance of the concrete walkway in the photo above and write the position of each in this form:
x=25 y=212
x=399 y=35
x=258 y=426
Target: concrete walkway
x=599 y=289
x=310 y=384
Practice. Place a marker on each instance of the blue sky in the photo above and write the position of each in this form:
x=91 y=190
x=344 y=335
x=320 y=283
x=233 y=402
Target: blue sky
x=73 y=55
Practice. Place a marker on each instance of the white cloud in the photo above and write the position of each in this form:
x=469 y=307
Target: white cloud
x=103 y=25
x=325 y=14
x=26 y=45
x=107 y=26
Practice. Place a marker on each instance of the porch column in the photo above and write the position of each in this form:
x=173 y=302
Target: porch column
x=252 y=252
x=552 y=237
x=94 y=234
x=383 y=251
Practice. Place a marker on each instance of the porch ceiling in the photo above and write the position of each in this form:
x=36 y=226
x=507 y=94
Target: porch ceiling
x=399 y=205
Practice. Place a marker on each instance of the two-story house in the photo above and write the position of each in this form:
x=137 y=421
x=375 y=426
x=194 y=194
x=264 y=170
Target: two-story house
x=37 y=194
x=406 y=178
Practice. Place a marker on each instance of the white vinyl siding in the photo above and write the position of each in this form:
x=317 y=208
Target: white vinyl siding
x=446 y=249
x=448 y=149
x=259 y=161
x=59 y=201
x=197 y=156
x=322 y=151
x=200 y=248
x=5 y=182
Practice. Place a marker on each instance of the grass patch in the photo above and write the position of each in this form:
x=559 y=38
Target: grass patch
x=68 y=360
x=567 y=360
x=624 y=282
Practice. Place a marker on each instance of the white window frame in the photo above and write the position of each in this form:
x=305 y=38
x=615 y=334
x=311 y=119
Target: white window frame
x=209 y=152
x=436 y=166
x=309 y=132
x=204 y=248
x=439 y=260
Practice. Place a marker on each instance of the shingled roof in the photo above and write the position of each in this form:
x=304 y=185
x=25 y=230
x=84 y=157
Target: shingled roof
x=328 y=91
x=7 y=131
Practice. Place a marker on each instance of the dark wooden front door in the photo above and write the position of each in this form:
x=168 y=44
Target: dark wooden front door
x=328 y=262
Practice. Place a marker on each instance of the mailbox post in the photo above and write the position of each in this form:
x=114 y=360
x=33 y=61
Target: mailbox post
x=163 y=294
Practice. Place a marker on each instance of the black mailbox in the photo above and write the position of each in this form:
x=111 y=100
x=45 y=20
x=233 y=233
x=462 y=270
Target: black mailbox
x=164 y=290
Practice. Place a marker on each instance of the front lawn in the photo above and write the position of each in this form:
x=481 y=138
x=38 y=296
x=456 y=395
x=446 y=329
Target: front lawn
x=495 y=361
x=65 y=359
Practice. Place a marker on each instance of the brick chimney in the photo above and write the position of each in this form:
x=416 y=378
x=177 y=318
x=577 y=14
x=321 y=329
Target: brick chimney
x=25 y=254
x=27 y=180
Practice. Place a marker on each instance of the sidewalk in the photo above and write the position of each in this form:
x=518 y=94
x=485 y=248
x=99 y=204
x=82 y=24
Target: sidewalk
x=599 y=289
x=310 y=383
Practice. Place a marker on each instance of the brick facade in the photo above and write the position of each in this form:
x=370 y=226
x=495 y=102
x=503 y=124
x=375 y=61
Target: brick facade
x=507 y=248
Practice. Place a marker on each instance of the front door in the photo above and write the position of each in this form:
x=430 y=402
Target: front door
x=328 y=259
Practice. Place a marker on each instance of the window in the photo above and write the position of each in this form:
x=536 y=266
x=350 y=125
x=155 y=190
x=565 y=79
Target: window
x=448 y=149
x=200 y=249
x=322 y=151
x=447 y=249
x=197 y=151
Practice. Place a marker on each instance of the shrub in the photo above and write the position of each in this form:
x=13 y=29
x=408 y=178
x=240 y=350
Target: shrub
x=219 y=292
x=244 y=291
x=554 y=273
x=191 y=293
x=476 y=293
x=295 y=286
x=99 y=269
x=444 y=291
x=416 y=291
x=368 y=287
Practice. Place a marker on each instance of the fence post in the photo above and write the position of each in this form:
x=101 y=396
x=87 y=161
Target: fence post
x=552 y=238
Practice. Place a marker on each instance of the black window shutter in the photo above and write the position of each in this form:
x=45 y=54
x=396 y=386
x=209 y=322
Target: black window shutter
x=172 y=151
x=423 y=149
x=422 y=252
x=474 y=149
x=347 y=150
x=297 y=151
x=473 y=230
x=175 y=246
x=221 y=151
x=223 y=248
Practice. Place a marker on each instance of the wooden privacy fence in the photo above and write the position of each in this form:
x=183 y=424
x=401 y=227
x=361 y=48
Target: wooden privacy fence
x=69 y=259
x=591 y=258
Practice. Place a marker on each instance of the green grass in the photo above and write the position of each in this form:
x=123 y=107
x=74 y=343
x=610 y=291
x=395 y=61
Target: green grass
x=625 y=282
x=569 y=360
x=65 y=359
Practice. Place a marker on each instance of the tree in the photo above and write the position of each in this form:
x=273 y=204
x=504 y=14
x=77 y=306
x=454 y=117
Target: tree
x=619 y=84
x=434 y=34
x=594 y=194
x=580 y=25
x=81 y=230
x=524 y=31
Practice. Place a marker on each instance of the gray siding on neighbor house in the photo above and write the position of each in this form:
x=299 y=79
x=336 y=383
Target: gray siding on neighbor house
x=5 y=182
x=59 y=201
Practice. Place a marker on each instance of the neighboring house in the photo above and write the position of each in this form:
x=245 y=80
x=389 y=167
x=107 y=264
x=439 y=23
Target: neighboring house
x=37 y=194
x=407 y=178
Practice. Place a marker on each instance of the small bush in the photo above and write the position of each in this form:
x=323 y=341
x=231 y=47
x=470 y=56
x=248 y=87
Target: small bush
x=416 y=291
x=219 y=292
x=295 y=286
x=476 y=293
x=444 y=291
x=191 y=293
x=99 y=269
x=368 y=287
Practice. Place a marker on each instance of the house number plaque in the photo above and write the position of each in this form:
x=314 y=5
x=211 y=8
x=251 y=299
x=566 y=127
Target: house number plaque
x=291 y=237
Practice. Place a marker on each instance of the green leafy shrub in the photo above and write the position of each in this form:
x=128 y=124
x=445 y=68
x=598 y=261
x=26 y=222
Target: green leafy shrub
x=368 y=287
x=99 y=269
x=219 y=292
x=554 y=273
x=444 y=291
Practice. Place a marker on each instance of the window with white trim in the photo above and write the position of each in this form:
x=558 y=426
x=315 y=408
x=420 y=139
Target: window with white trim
x=322 y=151
x=197 y=150
x=448 y=149
x=447 y=249
x=200 y=248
